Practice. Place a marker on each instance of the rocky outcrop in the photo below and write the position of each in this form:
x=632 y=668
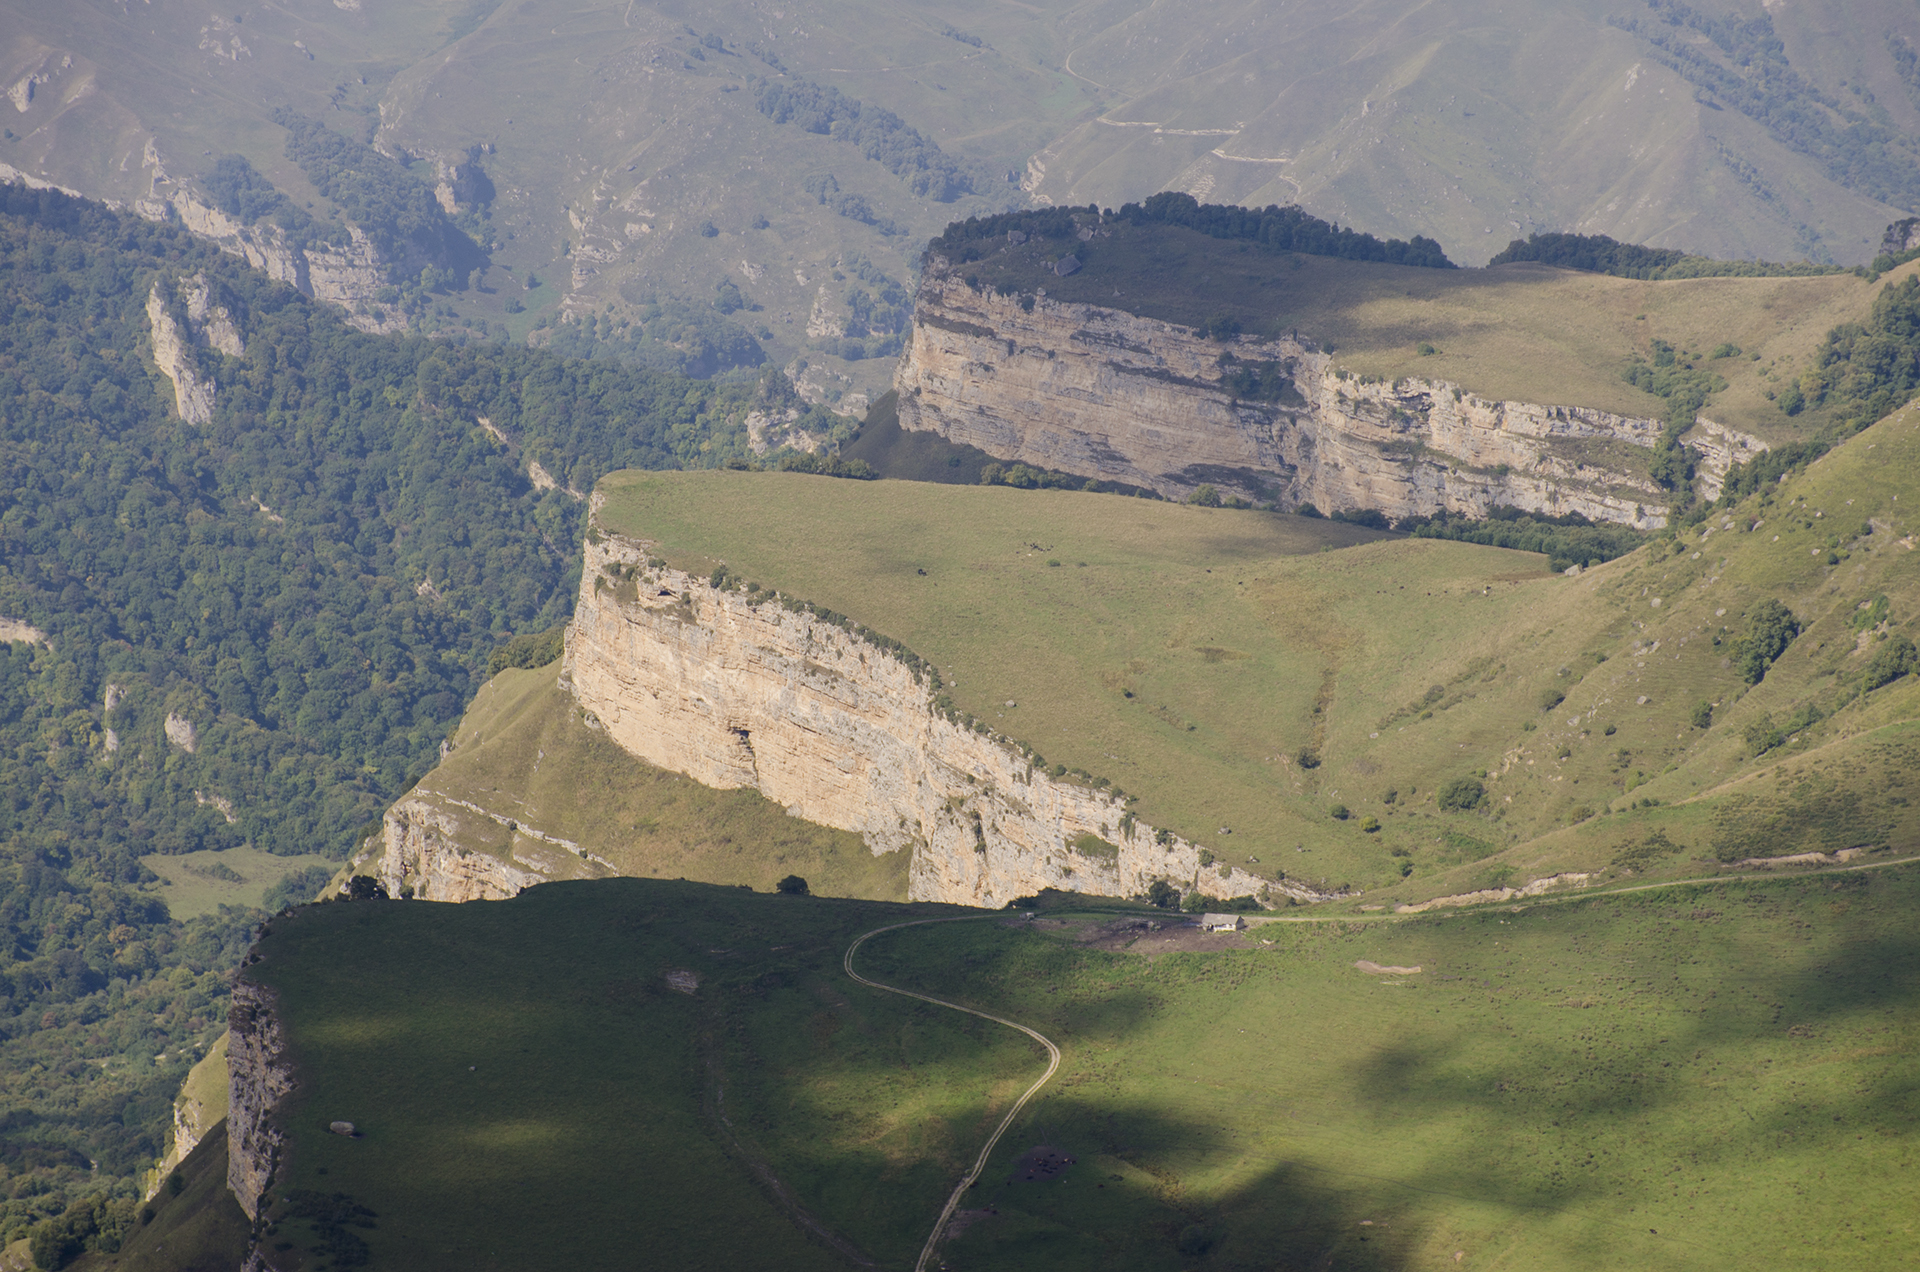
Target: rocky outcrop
x=349 y=276
x=259 y=1076
x=739 y=689
x=208 y=322
x=438 y=848
x=199 y=1107
x=1109 y=395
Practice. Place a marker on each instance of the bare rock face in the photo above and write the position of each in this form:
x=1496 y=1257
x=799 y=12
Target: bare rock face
x=450 y=850
x=1109 y=395
x=349 y=277
x=193 y=389
x=258 y=1078
x=747 y=690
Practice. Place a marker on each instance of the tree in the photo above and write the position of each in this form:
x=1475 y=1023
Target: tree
x=792 y=885
x=364 y=888
x=1163 y=895
x=1894 y=659
x=1773 y=629
x=1461 y=794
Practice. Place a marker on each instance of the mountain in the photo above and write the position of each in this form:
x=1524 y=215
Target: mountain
x=741 y=186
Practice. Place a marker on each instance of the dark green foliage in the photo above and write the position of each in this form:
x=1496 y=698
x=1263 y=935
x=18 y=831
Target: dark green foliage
x=1762 y=471
x=241 y=192
x=1864 y=371
x=792 y=886
x=1204 y=497
x=1371 y=518
x=828 y=466
x=1551 y=697
x=1340 y=812
x=877 y=133
x=1896 y=657
x=1461 y=794
x=297 y=888
x=1702 y=714
x=1307 y=758
x=1255 y=381
x=1656 y=847
x=398 y=212
x=1568 y=540
x=1163 y=895
x=364 y=888
x=1598 y=254
x=1743 y=63
x=529 y=649
x=1279 y=229
x=91 y=1223
x=1770 y=630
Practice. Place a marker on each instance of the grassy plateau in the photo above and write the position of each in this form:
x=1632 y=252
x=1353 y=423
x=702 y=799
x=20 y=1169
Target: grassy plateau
x=1250 y=677
x=1708 y=1076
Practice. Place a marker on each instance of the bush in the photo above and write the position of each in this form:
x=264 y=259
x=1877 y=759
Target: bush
x=1340 y=812
x=364 y=888
x=1702 y=714
x=529 y=649
x=1204 y=497
x=1163 y=895
x=1772 y=630
x=1551 y=698
x=1307 y=758
x=792 y=886
x=1370 y=825
x=1461 y=795
x=1894 y=659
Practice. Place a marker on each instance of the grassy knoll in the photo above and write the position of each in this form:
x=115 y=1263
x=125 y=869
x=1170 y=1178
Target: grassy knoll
x=523 y=751
x=1522 y=332
x=1192 y=656
x=1709 y=1077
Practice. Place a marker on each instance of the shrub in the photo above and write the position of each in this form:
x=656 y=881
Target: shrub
x=1894 y=659
x=1406 y=870
x=1206 y=858
x=1340 y=812
x=1163 y=895
x=1204 y=497
x=1702 y=714
x=1195 y=903
x=1370 y=825
x=1551 y=698
x=1772 y=629
x=364 y=888
x=792 y=886
x=1307 y=758
x=1461 y=794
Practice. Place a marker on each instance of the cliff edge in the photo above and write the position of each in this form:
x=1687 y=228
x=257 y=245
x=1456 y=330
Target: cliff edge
x=1114 y=396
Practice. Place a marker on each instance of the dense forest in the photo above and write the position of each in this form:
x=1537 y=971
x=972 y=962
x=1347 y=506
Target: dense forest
x=1276 y=229
x=878 y=134
x=1598 y=254
x=285 y=608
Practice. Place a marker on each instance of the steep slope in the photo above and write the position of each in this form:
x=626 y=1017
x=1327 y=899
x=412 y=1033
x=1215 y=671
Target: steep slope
x=615 y=154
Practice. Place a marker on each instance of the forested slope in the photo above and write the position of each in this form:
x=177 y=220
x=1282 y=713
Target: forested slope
x=257 y=630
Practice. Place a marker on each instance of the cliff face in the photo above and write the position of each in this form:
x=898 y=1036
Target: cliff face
x=348 y=277
x=258 y=1078
x=1109 y=395
x=450 y=850
x=740 y=690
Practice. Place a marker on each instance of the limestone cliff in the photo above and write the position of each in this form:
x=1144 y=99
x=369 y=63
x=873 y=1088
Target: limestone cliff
x=443 y=849
x=208 y=322
x=740 y=689
x=1106 y=394
x=259 y=1076
x=348 y=276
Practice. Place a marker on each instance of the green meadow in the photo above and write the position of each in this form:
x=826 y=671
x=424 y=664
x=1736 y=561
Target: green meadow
x=1248 y=676
x=1714 y=1076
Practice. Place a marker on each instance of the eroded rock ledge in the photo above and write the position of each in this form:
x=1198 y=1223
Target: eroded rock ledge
x=259 y=1076
x=1109 y=395
x=746 y=690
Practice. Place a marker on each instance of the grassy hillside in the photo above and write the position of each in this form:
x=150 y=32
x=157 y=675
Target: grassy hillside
x=627 y=158
x=1522 y=332
x=1249 y=677
x=1707 y=1077
x=523 y=750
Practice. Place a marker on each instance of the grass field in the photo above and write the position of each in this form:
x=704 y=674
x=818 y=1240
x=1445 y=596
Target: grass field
x=1706 y=1077
x=1525 y=332
x=1191 y=655
x=198 y=883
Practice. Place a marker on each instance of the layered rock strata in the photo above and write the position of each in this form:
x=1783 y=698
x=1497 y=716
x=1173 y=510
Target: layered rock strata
x=438 y=848
x=1109 y=395
x=259 y=1076
x=740 y=689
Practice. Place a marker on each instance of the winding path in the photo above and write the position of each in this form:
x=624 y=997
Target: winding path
x=980 y=1162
